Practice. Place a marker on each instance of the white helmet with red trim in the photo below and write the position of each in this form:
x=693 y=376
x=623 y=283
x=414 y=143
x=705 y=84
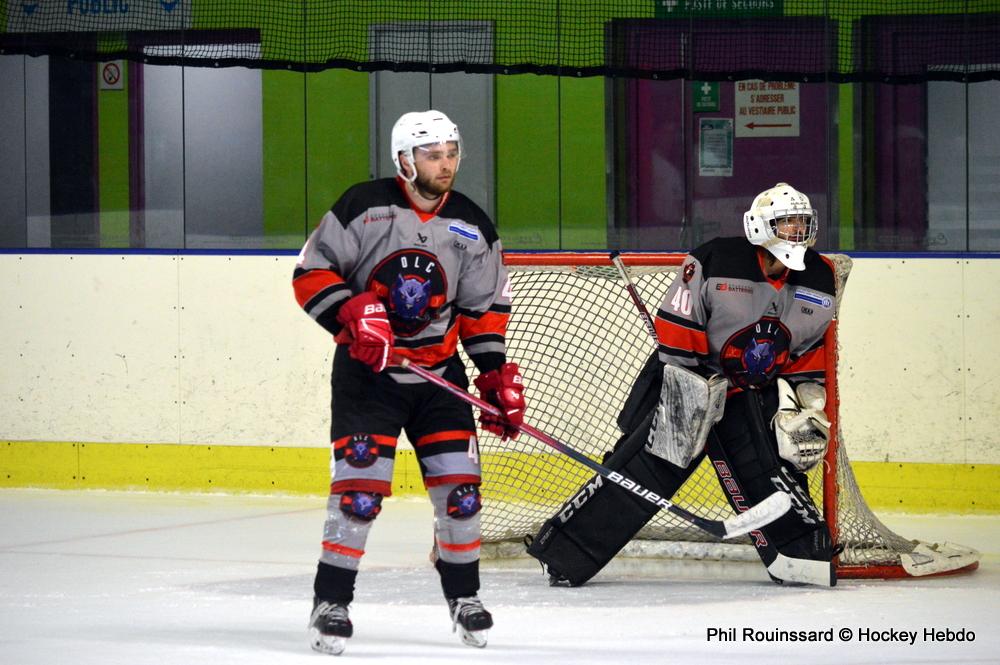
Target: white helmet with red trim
x=420 y=128
x=782 y=221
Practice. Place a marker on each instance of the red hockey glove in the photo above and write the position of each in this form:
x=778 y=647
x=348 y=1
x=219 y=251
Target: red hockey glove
x=371 y=336
x=504 y=388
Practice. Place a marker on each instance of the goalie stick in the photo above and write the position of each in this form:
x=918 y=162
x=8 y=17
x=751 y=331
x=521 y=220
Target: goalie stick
x=763 y=513
x=634 y=293
x=651 y=328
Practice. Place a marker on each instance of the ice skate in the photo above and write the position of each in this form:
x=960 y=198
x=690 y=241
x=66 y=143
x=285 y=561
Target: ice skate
x=469 y=615
x=329 y=627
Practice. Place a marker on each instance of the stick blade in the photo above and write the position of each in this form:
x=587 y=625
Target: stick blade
x=760 y=515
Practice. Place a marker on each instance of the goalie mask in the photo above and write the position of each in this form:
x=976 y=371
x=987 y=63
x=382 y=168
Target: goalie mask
x=422 y=128
x=782 y=221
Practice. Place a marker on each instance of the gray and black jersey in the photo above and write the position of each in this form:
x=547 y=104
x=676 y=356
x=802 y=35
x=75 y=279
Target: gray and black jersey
x=723 y=315
x=440 y=274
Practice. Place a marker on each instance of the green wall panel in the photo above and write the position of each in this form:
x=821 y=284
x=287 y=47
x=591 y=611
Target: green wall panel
x=337 y=138
x=550 y=162
x=582 y=186
x=284 y=186
x=113 y=162
x=527 y=131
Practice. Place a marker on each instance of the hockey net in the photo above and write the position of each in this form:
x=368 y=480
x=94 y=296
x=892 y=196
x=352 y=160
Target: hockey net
x=579 y=342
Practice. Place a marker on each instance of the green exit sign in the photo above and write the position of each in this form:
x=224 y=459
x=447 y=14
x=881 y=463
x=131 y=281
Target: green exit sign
x=705 y=96
x=718 y=8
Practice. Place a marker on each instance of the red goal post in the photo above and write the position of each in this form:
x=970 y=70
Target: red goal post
x=579 y=341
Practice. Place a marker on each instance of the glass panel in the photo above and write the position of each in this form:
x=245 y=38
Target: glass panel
x=947 y=176
x=984 y=167
x=162 y=166
x=13 y=227
x=233 y=158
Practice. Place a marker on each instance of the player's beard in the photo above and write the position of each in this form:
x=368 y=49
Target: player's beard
x=431 y=188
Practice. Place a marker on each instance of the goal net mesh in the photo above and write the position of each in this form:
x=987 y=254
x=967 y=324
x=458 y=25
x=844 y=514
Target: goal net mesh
x=580 y=342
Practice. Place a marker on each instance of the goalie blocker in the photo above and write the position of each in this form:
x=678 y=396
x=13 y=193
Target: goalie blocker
x=600 y=519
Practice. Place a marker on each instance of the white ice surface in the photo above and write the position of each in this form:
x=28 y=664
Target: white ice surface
x=108 y=578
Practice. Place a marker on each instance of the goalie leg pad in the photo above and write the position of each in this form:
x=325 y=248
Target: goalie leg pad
x=601 y=518
x=744 y=453
x=689 y=406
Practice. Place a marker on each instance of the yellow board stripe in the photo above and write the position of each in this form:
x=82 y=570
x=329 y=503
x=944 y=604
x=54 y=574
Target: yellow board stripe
x=930 y=488
x=910 y=487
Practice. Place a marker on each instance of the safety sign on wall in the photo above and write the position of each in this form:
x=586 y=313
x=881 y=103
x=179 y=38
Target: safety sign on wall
x=111 y=75
x=766 y=108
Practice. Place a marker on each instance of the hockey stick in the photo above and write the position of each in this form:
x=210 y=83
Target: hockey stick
x=630 y=287
x=776 y=497
x=763 y=513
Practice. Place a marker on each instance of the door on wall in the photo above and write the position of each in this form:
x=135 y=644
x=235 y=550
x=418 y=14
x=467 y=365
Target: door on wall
x=48 y=143
x=465 y=98
x=25 y=219
x=688 y=174
x=199 y=177
x=690 y=156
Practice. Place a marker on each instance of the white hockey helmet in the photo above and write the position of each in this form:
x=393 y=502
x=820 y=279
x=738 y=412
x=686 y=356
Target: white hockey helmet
x=422 y=128
x=760 y=223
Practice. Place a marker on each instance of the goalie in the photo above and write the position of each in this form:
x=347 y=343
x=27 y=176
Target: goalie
x=738 y=375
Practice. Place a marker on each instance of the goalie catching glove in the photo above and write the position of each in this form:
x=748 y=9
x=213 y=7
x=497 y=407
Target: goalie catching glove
x=503 y=388
x=800 y=424
x=371 y=335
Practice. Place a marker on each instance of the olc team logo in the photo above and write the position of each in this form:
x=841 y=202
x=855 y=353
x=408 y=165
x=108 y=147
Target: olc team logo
x=410 y=296
x=464 y=501
x=752 y=356
x=414 y=288
x=361 y=451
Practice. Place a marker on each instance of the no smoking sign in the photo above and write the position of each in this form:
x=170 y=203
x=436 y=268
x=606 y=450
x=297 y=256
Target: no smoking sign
x=111 y=75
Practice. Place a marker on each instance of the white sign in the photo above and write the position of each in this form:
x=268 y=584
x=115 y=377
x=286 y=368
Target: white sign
x=112 y=75
x=715 y=147
x=766 y=108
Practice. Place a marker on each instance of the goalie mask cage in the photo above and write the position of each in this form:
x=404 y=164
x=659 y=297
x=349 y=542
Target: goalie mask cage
x=580 y=342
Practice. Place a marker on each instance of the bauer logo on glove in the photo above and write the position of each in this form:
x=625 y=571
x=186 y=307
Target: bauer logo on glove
x=365 y=319
x=503 y=388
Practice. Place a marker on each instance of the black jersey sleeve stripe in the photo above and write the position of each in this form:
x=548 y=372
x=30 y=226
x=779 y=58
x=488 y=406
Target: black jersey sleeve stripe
x=488 y=361
x=676 y=320
x=483 y=337
x=323 y=298
x=419 y=343
x=680 y=353
x=328 y=319
x=475 y=316
x=468 y=313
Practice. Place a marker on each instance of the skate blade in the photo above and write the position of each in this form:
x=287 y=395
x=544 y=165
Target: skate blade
x=474 y=638
x=329 y=644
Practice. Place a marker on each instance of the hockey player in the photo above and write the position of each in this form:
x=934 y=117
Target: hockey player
x=408 y=266
x=754 y=312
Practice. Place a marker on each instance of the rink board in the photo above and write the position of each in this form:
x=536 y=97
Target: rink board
x=910 y=487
